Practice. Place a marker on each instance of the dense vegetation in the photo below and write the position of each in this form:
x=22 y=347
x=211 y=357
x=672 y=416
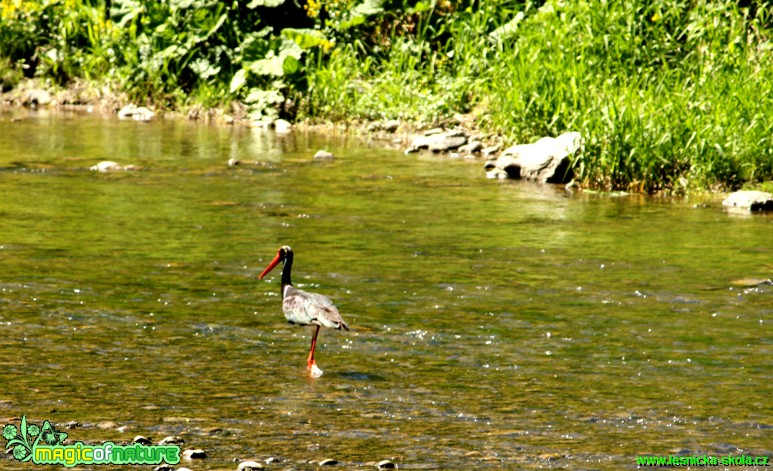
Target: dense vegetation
x=670 y=95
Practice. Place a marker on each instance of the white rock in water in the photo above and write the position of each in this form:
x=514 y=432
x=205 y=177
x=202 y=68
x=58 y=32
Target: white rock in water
x=282 y=126
x=750 y=200
x=105 y=166
x=249 y=465
x=315 y=371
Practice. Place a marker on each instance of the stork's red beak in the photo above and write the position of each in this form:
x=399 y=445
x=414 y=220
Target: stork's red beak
x=271 y=266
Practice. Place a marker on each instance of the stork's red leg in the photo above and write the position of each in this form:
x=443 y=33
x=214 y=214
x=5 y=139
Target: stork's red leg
x=311 y=361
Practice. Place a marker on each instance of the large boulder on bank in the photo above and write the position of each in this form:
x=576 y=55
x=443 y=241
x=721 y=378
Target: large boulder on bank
x=547 y=161
x=750 y=200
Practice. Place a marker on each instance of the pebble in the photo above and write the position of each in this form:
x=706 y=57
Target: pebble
x=164 y=467
x=194 y=454
x=328 y=462
x=272 y=459
x=141 y=440
x=172 y=440
x=109 y=425
x=386 y=464
x=249 y=465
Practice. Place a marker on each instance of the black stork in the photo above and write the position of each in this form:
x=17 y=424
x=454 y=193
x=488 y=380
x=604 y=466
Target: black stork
x=304 y=308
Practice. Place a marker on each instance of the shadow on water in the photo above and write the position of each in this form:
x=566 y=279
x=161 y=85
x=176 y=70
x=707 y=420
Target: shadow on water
x=495 y=325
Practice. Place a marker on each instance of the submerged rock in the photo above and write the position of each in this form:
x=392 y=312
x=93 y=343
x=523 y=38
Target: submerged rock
x=750 y=200
x=751 y=282
x=235 y=162
x=386 y=464
x=547 y=161
x=328 y=462
x=110 y=166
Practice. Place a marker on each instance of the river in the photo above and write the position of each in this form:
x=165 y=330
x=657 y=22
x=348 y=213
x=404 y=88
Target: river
x=494 y=324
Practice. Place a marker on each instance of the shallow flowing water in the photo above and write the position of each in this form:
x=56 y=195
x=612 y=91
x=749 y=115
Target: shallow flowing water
x=494 y=325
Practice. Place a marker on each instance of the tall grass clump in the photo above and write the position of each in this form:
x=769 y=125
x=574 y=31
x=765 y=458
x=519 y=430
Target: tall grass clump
x=669 y=95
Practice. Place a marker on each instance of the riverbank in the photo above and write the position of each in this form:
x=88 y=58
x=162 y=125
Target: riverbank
x=395 y=134
x=668 y=97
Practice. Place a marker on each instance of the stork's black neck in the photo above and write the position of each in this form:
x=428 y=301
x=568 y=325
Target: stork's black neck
x=286 y=267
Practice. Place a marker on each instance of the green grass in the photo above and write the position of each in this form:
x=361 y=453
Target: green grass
x=669 y=95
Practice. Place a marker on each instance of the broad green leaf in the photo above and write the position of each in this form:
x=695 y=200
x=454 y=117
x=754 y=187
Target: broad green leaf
x=420 y=7
x=508 y=29
x=264 y=3
x=238 y=80
x=368 y=8
x=217 y=26
x=203 y=68
x=305 y=38
x=264 y=97
x=291 y=65
x=271 y=65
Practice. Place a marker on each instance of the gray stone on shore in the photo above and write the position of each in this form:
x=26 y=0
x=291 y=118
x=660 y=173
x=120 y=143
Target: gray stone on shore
x=487 y=151
x=324 y=155
x=750 y=200
x=471 y=147
x=391 y=125
x=139 y=113
x=387 y=126
x=547 y=161
x=37 y=97
x=249 y=466
x=437 y=140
